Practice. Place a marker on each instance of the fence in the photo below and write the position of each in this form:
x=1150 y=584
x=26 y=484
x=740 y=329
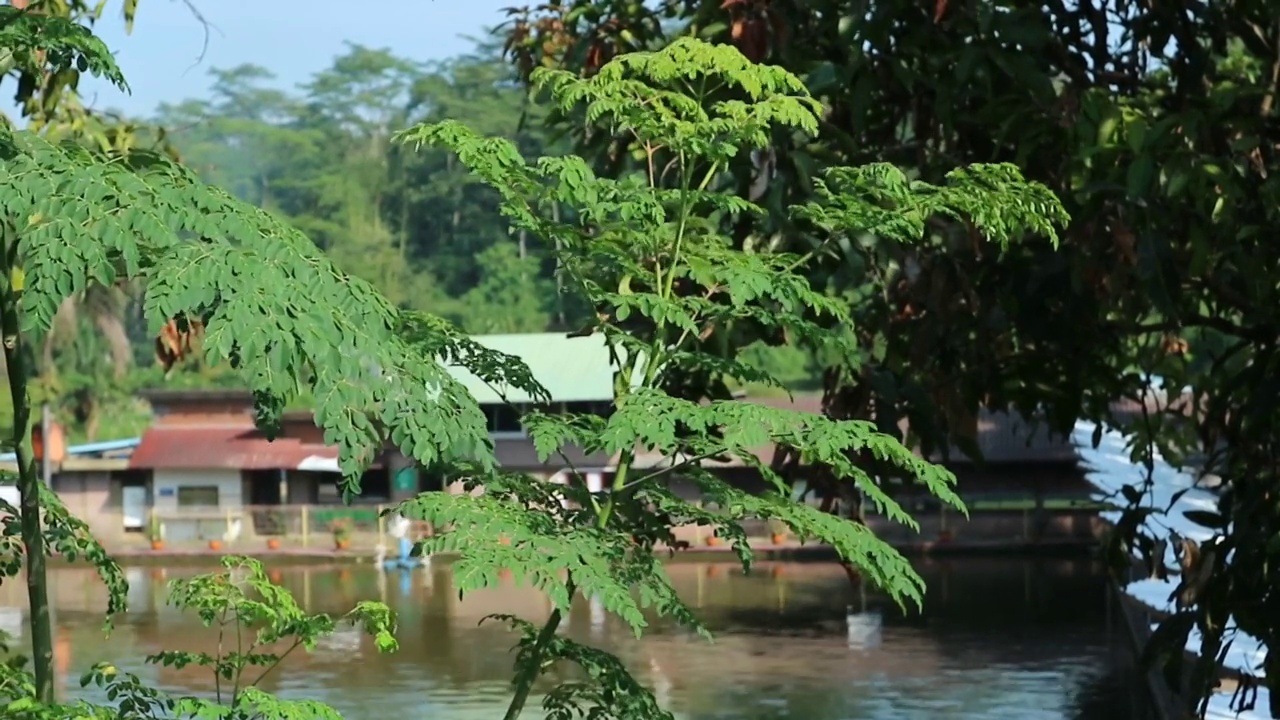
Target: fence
x=284 y=526
x=319 y=527
x=993 y=519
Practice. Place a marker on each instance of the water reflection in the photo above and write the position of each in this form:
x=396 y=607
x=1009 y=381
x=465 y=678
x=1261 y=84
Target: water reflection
x=998 y=639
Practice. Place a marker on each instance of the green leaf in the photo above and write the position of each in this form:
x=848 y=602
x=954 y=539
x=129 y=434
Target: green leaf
x=1141 y=173
x=1205 y=518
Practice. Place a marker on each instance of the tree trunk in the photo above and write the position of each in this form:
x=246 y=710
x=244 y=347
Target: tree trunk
x=28 y=481
x=93 y=420
x=560 y=313
x=117 y=336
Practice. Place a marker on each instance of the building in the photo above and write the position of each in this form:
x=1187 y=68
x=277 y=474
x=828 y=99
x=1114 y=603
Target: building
x=578 y=374
x=206 y=469
x=90 y=479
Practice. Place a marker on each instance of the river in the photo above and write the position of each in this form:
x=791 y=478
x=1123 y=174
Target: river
x=1023 y=640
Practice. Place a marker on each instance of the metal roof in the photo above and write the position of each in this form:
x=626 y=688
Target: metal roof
x=108 y=446
x=238 y=447
x=572 y=369
x=98 y=448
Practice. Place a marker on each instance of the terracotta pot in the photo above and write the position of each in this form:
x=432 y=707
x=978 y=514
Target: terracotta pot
x=712 y=541
x=215 y=544
x=157 y=544
x=778 y=539
x=273 y=543
x=342 y=544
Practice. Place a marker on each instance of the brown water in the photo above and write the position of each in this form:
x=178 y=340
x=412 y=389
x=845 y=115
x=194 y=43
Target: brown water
x=998 y=639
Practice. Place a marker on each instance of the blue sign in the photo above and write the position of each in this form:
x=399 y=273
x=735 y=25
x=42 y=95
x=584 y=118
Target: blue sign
x=166 y=491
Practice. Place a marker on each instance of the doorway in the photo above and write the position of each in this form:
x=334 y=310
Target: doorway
x=133 y=507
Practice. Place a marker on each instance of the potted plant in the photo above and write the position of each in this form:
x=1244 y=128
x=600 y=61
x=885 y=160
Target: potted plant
x=273 y=543
x=155 y=533
x=713 y=540
x=341 y=529
x=215 y=545
x=778 y=532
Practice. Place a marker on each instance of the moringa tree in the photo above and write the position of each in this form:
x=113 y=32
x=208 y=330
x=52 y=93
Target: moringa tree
x=271 y=304
x=674 y=300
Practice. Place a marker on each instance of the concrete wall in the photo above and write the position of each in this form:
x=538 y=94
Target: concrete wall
x=94 y=497
x=185 y=524
x=166 y=483
x=518 y=454
x=303 y=486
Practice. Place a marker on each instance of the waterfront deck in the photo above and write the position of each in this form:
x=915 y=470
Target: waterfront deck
x=763 y=549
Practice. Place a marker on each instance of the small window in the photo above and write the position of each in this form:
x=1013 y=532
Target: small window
x=602 y=409
x=198 y=496
x=503 y=419
x=327 y=492
x=375 y=486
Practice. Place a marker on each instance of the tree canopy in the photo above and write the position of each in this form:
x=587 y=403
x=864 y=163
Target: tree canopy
x=668 y=291
x=1155 y=123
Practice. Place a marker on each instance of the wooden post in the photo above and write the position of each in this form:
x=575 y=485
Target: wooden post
x=306 y=539
x=382 y=527
x=46 y=447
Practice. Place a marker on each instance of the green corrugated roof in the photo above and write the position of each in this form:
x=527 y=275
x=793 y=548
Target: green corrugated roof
x=574 y=369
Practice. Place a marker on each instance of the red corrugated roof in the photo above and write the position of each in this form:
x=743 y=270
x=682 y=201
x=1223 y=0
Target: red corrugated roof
x=228 y=446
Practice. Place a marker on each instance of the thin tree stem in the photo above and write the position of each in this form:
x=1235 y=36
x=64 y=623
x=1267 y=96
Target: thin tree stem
x=29 y=491
x=525 y=686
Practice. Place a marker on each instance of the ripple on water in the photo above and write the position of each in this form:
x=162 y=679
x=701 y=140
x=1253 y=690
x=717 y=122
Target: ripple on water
x=1002 y=642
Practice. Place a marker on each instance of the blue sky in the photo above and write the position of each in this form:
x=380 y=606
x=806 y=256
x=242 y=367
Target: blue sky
x=292 y=38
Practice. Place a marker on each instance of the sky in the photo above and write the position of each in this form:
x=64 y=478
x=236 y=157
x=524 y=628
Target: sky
x=292 y=38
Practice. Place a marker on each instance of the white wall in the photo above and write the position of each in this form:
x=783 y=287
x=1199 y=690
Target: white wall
x=10 y=493
x=166 y=483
